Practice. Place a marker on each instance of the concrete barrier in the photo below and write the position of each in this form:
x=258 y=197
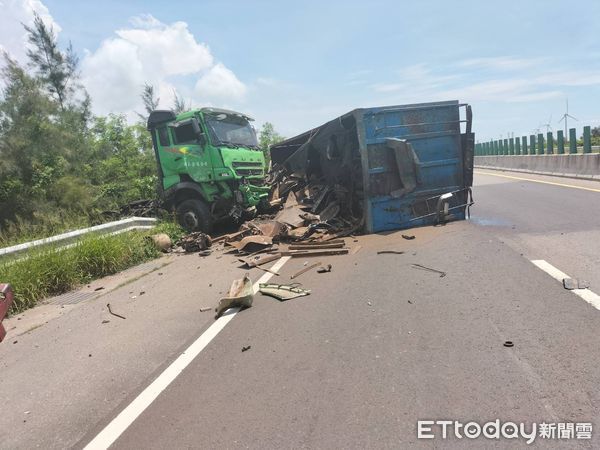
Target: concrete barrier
x=584 y=166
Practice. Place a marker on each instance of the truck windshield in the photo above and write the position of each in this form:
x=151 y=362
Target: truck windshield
x=231 y=130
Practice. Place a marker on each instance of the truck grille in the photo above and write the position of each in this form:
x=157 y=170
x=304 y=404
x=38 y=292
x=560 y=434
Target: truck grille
x=248 y=172
x=246 y=169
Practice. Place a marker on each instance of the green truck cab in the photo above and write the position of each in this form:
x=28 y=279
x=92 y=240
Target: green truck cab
x=209 y=165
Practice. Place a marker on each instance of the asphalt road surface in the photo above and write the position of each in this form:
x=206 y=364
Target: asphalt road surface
x=377 y=346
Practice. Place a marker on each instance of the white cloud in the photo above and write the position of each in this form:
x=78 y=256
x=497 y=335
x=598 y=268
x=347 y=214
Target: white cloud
x=168 y=49
x=159 y=54
x=15 y=13
x=526 y=84
x=536 y=96
x=502 y=63
x=114 y=76
x=220 y=83
x=415 y=78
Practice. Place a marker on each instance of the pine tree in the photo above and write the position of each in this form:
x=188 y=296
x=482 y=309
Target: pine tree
x=179 y=105
x=56 y=68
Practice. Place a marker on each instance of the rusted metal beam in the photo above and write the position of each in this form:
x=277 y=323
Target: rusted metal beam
x=305 y=269
x=307 y=253
x=312 y=247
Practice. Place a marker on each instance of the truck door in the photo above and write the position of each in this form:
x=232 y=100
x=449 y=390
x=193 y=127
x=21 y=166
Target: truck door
x=188 y=152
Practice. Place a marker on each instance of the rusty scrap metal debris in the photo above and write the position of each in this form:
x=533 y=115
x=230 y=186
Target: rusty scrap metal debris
x=290 y=214
x=316 y=252
x=283 y=291
x=323 y=245
x=114 y=313
x=240 y=295
x=429 y=269
x=304 y=270
x=255 y=261
x=195 y=242
x=271 y=228
x=253 y=243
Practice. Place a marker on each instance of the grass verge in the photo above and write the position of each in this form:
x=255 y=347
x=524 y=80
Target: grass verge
x=51 y=271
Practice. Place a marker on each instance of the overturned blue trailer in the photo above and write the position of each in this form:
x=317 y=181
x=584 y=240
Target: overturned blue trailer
x=392 y=167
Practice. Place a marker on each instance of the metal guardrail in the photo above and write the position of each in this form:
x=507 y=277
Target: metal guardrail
x=120 y=226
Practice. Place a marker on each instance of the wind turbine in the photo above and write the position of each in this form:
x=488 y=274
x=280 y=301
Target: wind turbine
x=565 y=117
x=548 y=125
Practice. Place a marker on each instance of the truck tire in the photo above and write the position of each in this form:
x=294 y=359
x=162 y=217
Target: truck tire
x=194 y=215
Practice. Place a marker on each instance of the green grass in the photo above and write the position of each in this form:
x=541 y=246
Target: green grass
x=20 y=230
x=174 y=231
x=50 y=271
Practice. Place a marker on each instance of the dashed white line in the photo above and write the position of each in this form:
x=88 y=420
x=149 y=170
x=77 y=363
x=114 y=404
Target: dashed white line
x=589 y=296
x=119 y=424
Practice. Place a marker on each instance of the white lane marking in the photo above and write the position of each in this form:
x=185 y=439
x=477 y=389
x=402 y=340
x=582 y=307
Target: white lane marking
x=553 y=183
x=589 y=296
x=119 y=424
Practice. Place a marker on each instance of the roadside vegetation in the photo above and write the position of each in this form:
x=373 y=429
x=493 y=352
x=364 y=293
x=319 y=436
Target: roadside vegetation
x=52 y=271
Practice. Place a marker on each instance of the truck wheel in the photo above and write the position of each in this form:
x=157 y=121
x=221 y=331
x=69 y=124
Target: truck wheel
x=194 y=215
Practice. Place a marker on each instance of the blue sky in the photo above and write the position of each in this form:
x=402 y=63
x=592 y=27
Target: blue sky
x=298 y=64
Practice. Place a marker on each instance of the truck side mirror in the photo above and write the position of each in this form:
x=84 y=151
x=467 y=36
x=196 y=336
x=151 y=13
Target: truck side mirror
x=198 y=132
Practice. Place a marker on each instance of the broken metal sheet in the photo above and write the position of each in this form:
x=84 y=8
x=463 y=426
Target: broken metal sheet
x=251 y=244
x=270 y=228
x=240 y=295
x=229 y=237
x=283 y=291
x=320 y=197
x=331 y=211
x=297 y=233
x=309 y=217
x=291 y=216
